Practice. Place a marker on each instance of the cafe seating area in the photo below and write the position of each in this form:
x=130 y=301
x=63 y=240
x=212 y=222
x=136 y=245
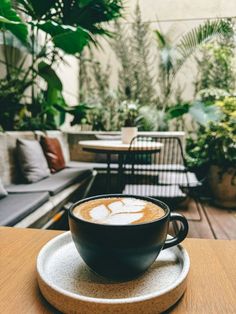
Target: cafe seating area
x=35 y=204
x=117 y=156
x=44 y=204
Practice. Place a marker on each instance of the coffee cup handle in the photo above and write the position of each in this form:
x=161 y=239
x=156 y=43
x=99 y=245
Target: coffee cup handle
x=182 y=232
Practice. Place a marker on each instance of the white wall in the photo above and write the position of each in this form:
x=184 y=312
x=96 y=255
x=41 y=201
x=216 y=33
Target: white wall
x=185 y=14
x=68 y=74
x=182 y=9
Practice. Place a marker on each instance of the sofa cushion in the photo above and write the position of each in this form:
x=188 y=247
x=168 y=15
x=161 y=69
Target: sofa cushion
x=53 y=152
x=92 y=165
x=32 y=161
x=3 y=192
x=183 y=179
x=161 y=191
x=53 y=184
x=15 y=207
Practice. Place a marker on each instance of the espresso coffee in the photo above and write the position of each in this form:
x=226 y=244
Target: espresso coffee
x=118 y=211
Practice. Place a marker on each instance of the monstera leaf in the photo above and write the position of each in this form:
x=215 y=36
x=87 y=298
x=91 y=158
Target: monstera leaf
x=79 y=112
x=203 y=114
x=68 y=38
x=10 y=20
x=178 y=110
x=49 y=75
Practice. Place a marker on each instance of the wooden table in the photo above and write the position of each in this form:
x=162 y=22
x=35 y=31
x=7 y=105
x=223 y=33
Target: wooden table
x=117 y=146
x=211 y=284
x=110 y=147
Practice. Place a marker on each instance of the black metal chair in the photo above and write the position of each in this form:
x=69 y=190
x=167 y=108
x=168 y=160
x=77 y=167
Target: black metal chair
x=160 y=174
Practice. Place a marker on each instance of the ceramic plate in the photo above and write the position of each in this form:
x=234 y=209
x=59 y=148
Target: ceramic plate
x=68 y=284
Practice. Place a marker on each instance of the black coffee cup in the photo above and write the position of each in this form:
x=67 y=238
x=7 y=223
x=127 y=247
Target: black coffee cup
x=122 y=252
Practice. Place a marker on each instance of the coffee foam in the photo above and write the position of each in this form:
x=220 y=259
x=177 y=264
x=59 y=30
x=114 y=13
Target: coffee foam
x=100 y=212
x=118 y=211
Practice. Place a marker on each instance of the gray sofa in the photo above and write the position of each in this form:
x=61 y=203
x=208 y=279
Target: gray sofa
x=32 y=205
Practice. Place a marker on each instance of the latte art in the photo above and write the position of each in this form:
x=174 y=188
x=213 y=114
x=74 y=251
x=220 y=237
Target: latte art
x=118 y=211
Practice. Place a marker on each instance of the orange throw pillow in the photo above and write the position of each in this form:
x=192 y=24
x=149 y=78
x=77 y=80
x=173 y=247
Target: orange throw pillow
x=53 y=152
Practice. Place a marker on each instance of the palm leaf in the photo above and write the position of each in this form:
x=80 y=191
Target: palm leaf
x=166 y=53
x=10 y=20
x=161 y=39
x=68 y=38
x=35 y=8
x=199 y=35
x=50 y=76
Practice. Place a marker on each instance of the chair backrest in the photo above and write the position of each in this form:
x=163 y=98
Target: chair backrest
x=141 y=160
x=154 y=170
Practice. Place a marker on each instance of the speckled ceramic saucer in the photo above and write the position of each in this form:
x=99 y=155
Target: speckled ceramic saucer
x=68 y=284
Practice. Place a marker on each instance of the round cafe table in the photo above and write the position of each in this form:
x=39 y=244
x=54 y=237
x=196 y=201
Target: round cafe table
x=111 y=147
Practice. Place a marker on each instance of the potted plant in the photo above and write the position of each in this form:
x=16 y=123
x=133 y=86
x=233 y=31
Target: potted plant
x=130 y=118
x=67 y=28
x=215 y=147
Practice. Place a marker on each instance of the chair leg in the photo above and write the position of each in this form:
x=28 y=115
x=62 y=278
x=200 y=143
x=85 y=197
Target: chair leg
x=209 y=222
x=201 y=209
x=199 y=206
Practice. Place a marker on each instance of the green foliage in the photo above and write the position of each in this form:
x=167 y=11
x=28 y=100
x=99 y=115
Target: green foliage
x=128 y=112
x=216 y=143
x=166 y=68
x=173 y=55
x=151 y=119
x=133 y=50
x=216 y=79
x=78 y=112
x=95 y=90
x=136 y=78
x=11 y=92
x=11 y=21
x=178 y=110
x=228 y=108
x=216 y=69
x=143 y=59
x=200 y=35
x=70 y=39
x=202 y=113
x=86 y=14
x=49 y=75
x=67 y=27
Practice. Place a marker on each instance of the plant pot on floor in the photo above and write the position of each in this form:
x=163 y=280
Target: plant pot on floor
x=223 y=186
x=128 y=133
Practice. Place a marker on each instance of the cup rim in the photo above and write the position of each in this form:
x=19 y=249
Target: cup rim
x=163 y=205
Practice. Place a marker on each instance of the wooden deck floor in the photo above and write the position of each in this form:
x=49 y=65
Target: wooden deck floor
x=218 y=223
x=210 y=222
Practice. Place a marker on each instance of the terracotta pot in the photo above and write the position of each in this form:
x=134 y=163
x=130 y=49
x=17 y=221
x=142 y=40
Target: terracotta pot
x=128 y=133
x=223 y=186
